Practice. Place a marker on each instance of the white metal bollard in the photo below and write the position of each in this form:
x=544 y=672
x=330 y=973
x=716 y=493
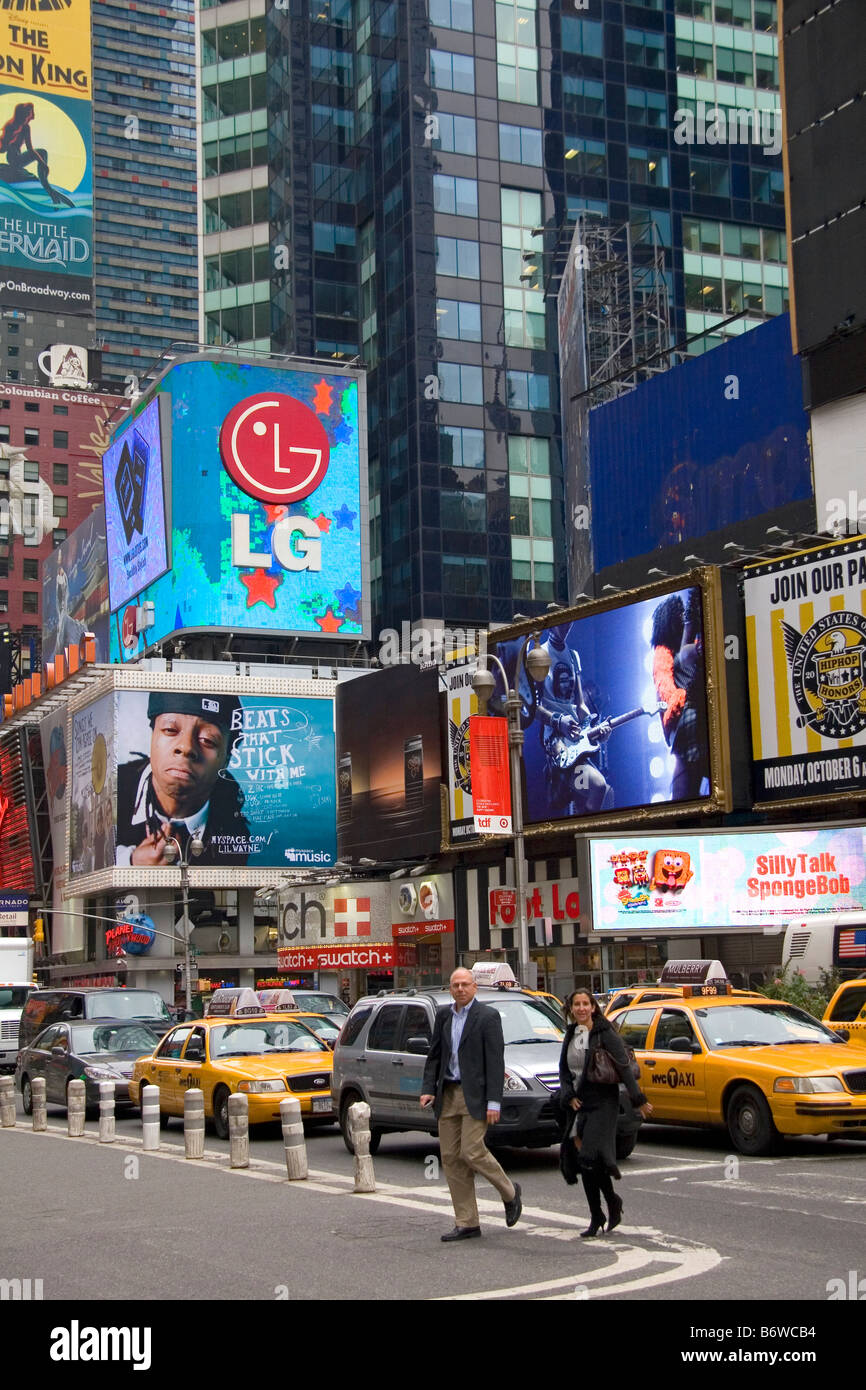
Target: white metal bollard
x=359 y=1128
x=293 y=1138
x=76 y=1105
x=7 y=1102
x=193 y=1123
x=239 y=1131
x=149 y=1096
x=106 y=1112
x=40 y=1114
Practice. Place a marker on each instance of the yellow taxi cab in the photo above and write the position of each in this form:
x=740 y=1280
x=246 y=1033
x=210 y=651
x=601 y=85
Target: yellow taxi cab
x=846 y=1012
x=760 y=1067
x=327 y=1027
x=239 y=1047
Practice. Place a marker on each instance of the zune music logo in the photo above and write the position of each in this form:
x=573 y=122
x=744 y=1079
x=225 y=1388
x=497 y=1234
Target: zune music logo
x=274 y=448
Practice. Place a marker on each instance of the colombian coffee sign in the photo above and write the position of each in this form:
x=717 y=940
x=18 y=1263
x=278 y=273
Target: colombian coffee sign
x=806 y=634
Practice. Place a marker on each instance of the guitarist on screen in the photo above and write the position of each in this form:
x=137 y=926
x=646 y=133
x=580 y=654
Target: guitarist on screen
x=576 y=786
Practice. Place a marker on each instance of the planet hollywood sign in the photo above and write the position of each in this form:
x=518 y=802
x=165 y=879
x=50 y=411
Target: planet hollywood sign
x=131 y=937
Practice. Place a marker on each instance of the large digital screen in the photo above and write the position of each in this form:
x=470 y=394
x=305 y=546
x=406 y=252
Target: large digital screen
x=806 y=634
x=621 y=718
x=135 y=521
x=389 y=764
x=251 y=777
x=718 y=440
x=75 y=590
x=268 y=504
x=696 y=883
x=46 y=158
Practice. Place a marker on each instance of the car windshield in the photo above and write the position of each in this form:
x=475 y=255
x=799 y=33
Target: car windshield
x=14 y=996
x=260 y=1039
x=761 y=1025
x=323 y=1003
x=323 y=1027
x=122 y=1003
x=524 y=1021
x=113 y=1037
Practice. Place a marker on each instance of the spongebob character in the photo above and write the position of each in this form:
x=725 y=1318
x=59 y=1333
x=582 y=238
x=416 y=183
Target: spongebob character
x=671 y=870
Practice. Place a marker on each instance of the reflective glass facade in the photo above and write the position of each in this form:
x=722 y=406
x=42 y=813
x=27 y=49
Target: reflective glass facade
x=423 y=162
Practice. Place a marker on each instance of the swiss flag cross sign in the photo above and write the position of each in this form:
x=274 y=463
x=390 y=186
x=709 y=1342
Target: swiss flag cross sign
x=352 y=917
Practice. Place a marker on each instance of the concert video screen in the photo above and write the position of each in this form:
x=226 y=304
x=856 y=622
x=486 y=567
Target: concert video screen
x=621 y=719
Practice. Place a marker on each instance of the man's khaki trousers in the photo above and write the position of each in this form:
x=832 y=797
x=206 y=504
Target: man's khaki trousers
x=464 y=1153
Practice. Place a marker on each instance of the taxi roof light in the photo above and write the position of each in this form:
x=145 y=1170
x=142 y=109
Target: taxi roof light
x=235 y=1003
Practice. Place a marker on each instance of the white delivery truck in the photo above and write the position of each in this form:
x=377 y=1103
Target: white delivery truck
x=16 y=984
x=826 y=941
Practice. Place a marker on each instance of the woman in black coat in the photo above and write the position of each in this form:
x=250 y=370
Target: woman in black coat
x=591 y=1108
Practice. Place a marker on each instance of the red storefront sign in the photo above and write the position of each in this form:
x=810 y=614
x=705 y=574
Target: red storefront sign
x=491 y=785
x=336 y=956
x=403 y=929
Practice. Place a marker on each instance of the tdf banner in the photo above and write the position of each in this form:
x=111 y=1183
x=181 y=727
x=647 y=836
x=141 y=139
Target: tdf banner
x=46 y=159
x=806 y=634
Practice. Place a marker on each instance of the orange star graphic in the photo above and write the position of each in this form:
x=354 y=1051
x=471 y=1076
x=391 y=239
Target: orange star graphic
x=261 y=587
x=322 y=398
x=274 y=512
x=323 y=522
x=329 y=623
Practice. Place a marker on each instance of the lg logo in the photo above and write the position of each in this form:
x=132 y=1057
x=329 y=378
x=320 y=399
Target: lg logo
x=275 y=448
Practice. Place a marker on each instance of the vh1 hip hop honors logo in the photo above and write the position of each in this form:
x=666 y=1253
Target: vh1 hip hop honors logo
x=275 y=449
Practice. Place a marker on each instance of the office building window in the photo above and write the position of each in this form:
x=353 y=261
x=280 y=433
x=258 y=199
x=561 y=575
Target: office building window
x=528 y=391
x=644 y=49
x=60 y=474
x=711 y=176
x=30 y=569
x=452 y=14
x=456 y=318
x=463 y=510
x=464 y=576
x=457 y=257
x=454 y=133
x=649 y=167
x=61 y=439
x=31 y=436
x=61 y=505
x=31 y=471
x=458 y=382
x=457 y=196
x=451 y=72
x=520 y=145
x=588 y=157
x=29 y=602
x=522 y=268
x=460 y=447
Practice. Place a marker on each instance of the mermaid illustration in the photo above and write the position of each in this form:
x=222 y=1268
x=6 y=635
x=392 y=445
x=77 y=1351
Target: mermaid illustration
x=17 y=147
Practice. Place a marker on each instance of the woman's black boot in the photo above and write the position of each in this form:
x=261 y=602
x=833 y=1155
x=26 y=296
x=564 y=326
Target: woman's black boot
x=591 y=1188
x=614 y=1203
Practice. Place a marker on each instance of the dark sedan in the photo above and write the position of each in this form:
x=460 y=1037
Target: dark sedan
x=101 y=1050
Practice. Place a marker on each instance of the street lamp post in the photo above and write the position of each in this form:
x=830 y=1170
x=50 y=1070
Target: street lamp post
x=537 y=664
x=174 y=855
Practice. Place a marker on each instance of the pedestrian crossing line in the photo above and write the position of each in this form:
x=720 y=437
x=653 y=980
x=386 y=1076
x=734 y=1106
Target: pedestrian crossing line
x=682 y=1264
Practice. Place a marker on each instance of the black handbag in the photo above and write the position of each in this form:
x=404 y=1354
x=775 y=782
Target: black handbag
x=603 y=1070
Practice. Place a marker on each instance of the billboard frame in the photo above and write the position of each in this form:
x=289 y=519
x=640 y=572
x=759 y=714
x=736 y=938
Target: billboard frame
x=126 y=678
x=720 y=800
x=275 y=363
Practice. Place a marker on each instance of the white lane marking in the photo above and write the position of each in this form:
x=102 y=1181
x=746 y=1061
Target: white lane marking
x=696 y=1262
x=627 y=1258
x=683 y=1168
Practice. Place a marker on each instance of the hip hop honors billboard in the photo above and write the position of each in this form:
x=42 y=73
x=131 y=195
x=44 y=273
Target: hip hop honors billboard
x=46 y=167
x=249 y=776
x=806 y=634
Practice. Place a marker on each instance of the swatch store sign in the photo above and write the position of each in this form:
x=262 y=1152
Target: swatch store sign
x=342 y=928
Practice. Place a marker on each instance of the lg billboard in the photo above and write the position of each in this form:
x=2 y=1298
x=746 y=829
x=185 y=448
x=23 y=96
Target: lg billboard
x=264 y=524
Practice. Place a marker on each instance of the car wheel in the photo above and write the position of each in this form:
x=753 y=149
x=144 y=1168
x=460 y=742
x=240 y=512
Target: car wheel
x=221 y=1112
x=349 y=1099
x=750 y=1123
x=26 y=1095
x=625 y=1145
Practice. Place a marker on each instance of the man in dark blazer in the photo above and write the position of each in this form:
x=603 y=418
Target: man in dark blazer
x=463 y=1081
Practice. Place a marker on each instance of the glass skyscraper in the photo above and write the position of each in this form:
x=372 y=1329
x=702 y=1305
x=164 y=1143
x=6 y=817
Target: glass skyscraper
x=406 y=201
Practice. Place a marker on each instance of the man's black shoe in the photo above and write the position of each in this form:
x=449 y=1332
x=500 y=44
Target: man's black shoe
x=462 y=1233
x=514 y=1207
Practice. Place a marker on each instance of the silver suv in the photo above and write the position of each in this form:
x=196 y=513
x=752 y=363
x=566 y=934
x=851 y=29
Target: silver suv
x=380 y=1055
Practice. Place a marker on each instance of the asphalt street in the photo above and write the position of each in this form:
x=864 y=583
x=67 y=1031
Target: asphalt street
x=97 y=1221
